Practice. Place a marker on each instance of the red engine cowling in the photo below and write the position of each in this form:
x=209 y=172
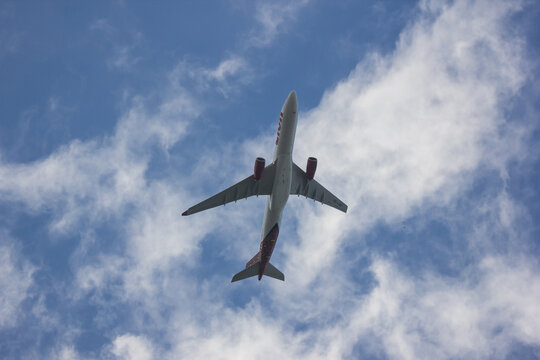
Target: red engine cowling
x=258 y=168
x=311 y=167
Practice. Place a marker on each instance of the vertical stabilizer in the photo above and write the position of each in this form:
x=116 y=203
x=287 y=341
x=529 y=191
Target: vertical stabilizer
x=253 y=260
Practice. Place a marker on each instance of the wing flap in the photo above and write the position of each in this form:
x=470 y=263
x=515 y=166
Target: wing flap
x=241 y=190
x=300 y=185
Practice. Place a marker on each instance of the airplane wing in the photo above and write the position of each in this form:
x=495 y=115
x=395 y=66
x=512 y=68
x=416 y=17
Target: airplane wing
x=300 y=185
x=242 y=190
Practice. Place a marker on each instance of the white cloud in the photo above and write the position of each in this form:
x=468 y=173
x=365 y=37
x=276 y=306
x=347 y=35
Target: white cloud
x=131 y=347
x=102 y=25
x=65 y=353
x=274 y=18
x=87 y=184
x=475 y=316
x=15 y=282
x=238 y=335
x=122 y=51
x=413 y=129
x=226 y=68
x=96 y=179
x=226 y=78
x=10 y=40
x=123 y=58
x=10 y=43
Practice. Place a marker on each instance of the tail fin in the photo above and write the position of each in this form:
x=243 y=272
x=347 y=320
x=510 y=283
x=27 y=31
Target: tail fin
x=254 y=259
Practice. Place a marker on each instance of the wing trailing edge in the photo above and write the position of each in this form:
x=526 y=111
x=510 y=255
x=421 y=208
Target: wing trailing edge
x=300 y=185
x=241 y=190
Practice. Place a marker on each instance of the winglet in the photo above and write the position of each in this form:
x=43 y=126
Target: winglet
x=185 y=213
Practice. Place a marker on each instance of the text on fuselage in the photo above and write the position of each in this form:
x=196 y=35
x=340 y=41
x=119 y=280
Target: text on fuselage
x=279 y=127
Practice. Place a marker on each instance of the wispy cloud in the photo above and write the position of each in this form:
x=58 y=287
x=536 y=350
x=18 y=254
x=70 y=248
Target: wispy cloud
x=99 y=176
x=227 y=77
x=123 y=58
x=10 y=40
x=15 y=281
x=132 y=347
x=274 y=18
x=122 y=48
x=85 y=185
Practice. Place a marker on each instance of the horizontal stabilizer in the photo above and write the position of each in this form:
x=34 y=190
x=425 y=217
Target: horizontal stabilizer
x=254 y=269
x=248 y=272
x=272 y=271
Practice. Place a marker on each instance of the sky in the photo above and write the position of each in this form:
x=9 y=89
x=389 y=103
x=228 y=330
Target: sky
x=118 y=116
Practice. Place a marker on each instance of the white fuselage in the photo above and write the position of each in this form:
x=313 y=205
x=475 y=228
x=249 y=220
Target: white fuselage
x=283 y=160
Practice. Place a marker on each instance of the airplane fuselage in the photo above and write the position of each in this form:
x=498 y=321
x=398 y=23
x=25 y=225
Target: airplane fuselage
x=282 y=179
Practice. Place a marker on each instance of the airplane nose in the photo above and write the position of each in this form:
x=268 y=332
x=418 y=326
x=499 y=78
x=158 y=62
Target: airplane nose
x=292 y=95
x=291 y=100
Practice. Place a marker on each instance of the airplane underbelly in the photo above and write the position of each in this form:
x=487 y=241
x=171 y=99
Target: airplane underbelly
x=280 y=194
x=282 y=183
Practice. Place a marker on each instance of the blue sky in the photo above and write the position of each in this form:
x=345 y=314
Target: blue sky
x=118 y=116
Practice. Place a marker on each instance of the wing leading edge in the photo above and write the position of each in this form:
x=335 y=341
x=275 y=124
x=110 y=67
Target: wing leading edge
x=241 y=190
x=300 y=185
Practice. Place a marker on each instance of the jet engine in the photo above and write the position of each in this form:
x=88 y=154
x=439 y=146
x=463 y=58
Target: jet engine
x=311 y=167
x=258 y=168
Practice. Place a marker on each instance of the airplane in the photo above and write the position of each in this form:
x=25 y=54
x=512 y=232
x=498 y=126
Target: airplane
x=278 y=180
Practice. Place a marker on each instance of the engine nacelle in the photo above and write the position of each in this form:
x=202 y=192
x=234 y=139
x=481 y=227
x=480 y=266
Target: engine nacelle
x=258 y=168
x=311 y=167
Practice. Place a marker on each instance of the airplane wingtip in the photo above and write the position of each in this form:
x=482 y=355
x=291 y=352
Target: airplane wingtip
x=185 y=213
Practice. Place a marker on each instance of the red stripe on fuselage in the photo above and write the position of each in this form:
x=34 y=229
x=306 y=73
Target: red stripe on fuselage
x=267 y=247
